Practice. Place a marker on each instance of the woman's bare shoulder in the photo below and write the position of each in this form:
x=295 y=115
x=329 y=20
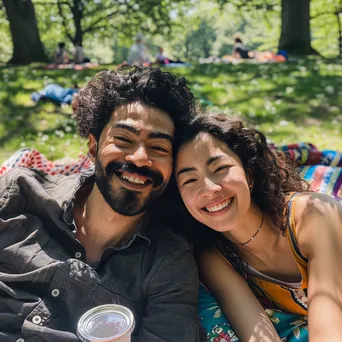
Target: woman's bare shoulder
x=315 y=214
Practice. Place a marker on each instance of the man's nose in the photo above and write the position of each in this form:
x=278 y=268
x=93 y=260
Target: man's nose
x=210 y=187
x=139 y=157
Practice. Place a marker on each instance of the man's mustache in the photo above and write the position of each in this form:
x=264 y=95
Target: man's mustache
x=118 y=167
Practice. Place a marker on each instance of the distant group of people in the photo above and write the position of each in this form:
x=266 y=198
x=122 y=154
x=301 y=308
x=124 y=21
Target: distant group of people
x=240 y=51
x=139 y=54
x=61 y=55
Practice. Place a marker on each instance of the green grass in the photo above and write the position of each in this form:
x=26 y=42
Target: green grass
x=291 y=102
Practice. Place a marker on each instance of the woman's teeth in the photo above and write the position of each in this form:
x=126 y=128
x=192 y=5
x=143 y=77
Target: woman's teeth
x=132 y=179
x=219 y=206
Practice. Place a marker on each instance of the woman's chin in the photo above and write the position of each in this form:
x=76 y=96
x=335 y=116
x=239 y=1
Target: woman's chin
x=220 y=228
x=220 y=221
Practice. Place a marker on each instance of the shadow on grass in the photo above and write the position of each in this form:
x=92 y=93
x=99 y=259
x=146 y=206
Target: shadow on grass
x=297 y=91
x=306 y=93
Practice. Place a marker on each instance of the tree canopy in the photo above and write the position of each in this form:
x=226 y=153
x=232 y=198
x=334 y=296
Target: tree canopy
x=187 y=29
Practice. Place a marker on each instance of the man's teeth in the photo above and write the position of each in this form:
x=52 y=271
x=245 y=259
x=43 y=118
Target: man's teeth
x=219 y=206
x=133 y=179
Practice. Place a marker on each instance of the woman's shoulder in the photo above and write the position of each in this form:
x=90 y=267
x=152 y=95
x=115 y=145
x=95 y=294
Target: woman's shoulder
x=314 y=214
x=313 y=204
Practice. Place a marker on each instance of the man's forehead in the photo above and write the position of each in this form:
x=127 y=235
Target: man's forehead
x=142 y=117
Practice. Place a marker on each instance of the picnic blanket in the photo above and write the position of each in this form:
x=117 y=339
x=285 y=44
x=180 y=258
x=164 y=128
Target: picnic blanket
x=73 y=66
x=322 y=169
x=259 y=58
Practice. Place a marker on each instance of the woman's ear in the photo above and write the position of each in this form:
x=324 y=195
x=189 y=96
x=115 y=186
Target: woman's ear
x=250 y=179
x=92 y=147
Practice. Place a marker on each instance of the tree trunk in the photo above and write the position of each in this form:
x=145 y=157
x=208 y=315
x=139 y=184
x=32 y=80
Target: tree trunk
x=295 y=27
x=27 y=46
x=339 y=33
x=77 y=13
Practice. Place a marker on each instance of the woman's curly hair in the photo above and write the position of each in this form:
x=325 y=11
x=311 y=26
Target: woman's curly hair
x=273 y=174
x=111 y=88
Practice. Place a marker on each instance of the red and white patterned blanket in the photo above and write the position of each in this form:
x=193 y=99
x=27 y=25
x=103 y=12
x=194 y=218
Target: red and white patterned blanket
x=323 y=169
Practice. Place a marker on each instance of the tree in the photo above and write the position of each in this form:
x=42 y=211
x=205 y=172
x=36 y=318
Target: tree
x=27 y=46
x=199 y=42
x=81 y=18
x=295 y=34
x=295 y=27
x=326 y=15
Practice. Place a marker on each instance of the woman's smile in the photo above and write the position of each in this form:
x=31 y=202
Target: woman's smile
x=218 y=208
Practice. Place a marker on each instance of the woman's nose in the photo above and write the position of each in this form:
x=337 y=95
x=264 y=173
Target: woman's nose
x=210 y=187
x=139 y=157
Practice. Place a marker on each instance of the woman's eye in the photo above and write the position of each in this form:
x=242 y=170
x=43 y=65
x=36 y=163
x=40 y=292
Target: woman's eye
x=221 y=168
x=189 y=181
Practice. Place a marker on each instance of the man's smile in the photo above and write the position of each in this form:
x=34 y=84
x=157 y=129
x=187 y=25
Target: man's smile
x=135 y=176
x=133 y=180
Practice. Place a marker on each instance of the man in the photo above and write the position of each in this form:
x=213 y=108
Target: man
x=69 y=244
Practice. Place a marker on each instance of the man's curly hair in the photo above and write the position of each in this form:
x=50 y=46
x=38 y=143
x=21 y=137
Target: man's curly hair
x=273 y=176
x=112 y=88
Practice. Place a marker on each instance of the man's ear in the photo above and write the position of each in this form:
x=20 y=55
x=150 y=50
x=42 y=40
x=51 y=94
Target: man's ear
x=92 y=147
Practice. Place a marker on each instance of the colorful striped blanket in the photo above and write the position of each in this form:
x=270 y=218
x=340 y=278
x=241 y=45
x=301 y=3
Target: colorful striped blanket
x=323 y=169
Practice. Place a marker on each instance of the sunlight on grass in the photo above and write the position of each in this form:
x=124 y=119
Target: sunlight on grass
x=291 y=102
x=23 y=100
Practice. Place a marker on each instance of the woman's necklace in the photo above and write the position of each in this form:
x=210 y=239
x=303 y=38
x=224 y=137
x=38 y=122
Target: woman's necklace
x=255 y=234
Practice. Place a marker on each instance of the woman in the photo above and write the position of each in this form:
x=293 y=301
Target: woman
x=260 y=227
x=239 y=50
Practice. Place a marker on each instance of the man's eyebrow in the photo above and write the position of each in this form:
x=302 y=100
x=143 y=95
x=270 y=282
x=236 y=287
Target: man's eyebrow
x=160 y=135
x=152 y=135
x=213 y=159
x=186 y=169
x=127 y=127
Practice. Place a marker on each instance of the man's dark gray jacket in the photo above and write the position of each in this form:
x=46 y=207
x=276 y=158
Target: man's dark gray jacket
x=46 y=285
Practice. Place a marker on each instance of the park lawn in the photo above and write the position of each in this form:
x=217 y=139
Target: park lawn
x=290 y=102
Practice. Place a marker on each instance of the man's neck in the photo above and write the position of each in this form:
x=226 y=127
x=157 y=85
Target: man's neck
x=98 y=226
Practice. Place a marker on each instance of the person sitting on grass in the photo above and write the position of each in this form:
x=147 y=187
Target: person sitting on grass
x=161 y=59
x=79 y=57
x=138 y=53
x=239 y=49
x=259 y=229
x=61 y=55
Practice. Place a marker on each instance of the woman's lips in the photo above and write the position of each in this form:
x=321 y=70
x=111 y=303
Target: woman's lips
x=219 y=207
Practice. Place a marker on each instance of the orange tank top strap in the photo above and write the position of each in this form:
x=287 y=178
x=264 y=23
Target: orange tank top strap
x=291 y=231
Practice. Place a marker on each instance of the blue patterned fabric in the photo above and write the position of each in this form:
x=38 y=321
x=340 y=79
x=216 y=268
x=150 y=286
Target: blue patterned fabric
x=291 y=328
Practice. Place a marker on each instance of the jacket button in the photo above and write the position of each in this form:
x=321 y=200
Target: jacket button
x=36 y=320
x=20 y=340
x=78 y=255
x=55 y=293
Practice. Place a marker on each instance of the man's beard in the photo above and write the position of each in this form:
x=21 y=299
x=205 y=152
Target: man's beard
x=122 y=200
